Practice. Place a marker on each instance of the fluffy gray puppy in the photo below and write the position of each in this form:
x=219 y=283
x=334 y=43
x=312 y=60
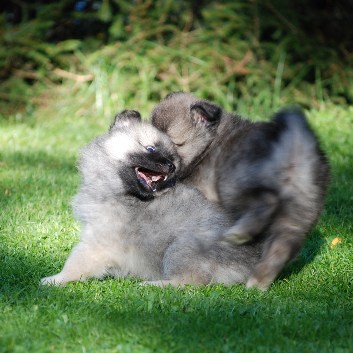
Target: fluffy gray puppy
x=270 y=177
x=137 y=222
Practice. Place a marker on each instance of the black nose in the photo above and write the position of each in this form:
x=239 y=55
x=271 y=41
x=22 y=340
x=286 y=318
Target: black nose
x=170 y=165
x=165 y=163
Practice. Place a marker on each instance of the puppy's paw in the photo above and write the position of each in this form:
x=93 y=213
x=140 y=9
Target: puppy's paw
x=255 y=283
x=237 y=239
x=55 y=280
x=237 y=235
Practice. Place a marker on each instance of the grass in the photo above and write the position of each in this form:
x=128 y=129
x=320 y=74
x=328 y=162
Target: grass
x=308 y=309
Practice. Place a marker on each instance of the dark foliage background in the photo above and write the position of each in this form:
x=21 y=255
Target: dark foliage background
x=302 y=50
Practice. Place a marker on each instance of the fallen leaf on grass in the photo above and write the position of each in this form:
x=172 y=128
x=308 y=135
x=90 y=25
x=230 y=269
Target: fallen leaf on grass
x=335 y=241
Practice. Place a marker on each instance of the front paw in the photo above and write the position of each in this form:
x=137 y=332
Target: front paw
x=237 y=235
x=236 y=238
x=262 y=277
x=55 y=280
x=253 y=282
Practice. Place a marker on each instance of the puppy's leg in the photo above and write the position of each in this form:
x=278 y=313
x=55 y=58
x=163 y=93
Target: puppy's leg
x=259 y=208
x=85 y=261
x=280 y=249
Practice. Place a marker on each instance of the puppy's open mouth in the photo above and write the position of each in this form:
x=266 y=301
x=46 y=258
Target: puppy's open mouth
x=149 y=178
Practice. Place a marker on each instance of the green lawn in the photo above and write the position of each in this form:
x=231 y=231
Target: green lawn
x=309 y=309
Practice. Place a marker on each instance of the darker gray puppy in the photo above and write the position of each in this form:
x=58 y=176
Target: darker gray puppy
x=137 y=222
x=270 y=177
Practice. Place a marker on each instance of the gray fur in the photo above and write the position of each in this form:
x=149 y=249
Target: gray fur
x=270 y=177
x=169 y=235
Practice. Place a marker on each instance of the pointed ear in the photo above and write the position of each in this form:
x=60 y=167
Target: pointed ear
x=206 y=113
x=124 y=119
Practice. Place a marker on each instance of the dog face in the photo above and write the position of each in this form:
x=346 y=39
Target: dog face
x=191 y=124
x=133 y=158
x=148 y=155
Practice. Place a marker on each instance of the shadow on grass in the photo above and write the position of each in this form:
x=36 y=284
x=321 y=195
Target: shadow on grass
x=312 y=247
x=210 y=319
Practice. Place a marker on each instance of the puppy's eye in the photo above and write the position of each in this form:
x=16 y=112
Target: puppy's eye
x=151 y=149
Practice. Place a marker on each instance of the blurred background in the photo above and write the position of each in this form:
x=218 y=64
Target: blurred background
x=101 y=56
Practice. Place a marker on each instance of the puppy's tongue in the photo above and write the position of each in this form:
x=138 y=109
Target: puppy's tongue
x=150 y=177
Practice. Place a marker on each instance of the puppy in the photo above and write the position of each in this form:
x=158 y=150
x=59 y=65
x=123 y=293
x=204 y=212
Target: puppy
x=270 y=177
x=137 y=222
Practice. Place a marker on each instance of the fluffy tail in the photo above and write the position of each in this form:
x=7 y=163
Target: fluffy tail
x=303 y=165
x=303 y=180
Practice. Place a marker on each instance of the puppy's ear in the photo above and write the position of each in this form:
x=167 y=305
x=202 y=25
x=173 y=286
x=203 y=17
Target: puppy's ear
x=205 y=113
x=124 y=119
